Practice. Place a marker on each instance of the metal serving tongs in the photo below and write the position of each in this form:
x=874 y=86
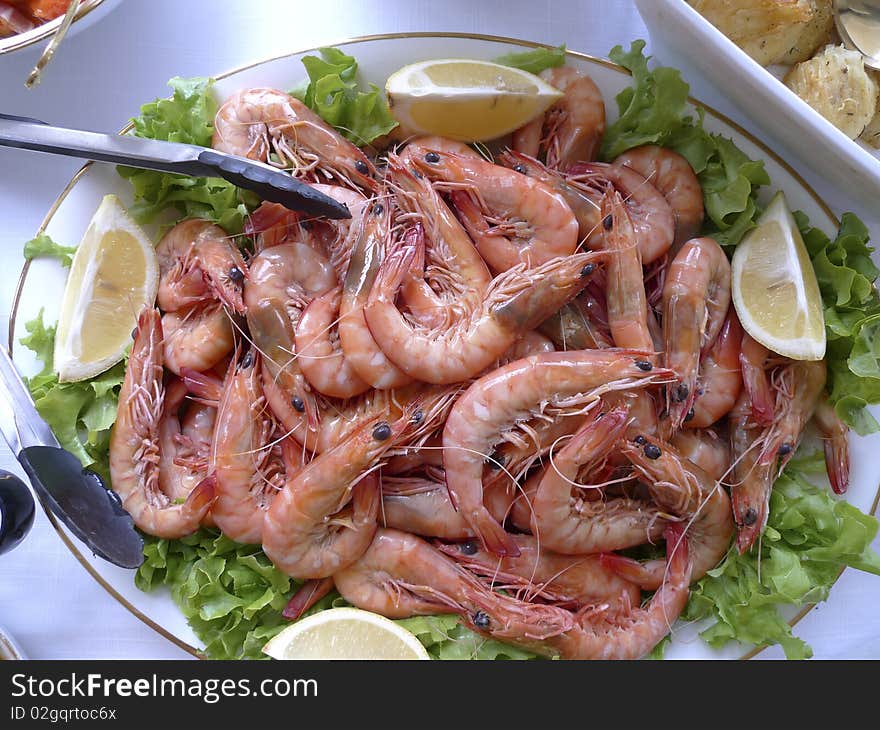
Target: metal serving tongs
x=268 y=182
x=76 y=496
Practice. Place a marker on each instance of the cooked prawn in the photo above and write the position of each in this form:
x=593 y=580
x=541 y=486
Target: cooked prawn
x=674 y=177
x=571 y=130
x=696 y=297
x=515 y=302
x=575 y=526
x=401 y=575
x=573 y=580
x=135 y=447
x=512 y=218
x=256 y=123
x=197 y=263
x=512 y=394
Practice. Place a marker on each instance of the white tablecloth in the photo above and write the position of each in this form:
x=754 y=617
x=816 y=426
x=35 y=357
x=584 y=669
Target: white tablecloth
x=101 y=76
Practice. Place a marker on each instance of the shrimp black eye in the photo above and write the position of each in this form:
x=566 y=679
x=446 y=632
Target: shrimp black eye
x=134 y=333
x=361 y=167
x=588 y=269
x=496 y=461
x=750 y=517
x=247 y=360
x=378 y=209
x=432 y=157
x=382 y=432
x=690 y=415
x=607 y=222
x=298 y=404
x=644 y=365
x=471 y=547
x=640 y=440
x=236 y=274
x=418 y=417
x=681 y=392
x=520 y=168
x=652 y=451
x=785 y=450
x=481 y=620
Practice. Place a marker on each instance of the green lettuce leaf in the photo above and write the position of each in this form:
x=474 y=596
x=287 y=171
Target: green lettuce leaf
x=846 y=276
x=332 y=92
x=231 y=594
x=232 y=597
x=80 y=414
x=654 y=111
x=43 y=245
x=534 y=61
x=810 y=538
x=187 y=117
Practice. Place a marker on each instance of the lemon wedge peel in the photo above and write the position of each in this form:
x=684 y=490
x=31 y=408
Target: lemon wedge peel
x=774 y=287
x=345 y=633
x=466 y=99
x=113 y=276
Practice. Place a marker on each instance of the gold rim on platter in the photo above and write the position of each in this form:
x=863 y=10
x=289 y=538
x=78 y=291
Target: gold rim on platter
x=44 y=31
x=349 y=42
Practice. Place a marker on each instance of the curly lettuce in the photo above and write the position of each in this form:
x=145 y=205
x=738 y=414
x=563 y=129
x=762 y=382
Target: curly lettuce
x=534 y=61
x=810 y=537
x=847 y=275
x=333 y=92
x=187 y=117
x=43 y=246
x=232 y=597
x=654 y=110
x=80 y=414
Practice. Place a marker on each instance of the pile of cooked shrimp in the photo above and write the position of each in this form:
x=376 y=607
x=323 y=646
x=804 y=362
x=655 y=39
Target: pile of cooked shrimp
x=466 y=398
x=20 y=16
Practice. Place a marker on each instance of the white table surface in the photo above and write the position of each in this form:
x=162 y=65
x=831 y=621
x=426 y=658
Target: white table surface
x=47 y=600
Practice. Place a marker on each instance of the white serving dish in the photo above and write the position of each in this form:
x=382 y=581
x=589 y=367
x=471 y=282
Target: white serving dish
x=717 y=67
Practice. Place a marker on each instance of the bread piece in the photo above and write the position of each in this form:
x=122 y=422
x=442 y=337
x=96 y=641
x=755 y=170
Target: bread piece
x=835 y=84
x=767 y=30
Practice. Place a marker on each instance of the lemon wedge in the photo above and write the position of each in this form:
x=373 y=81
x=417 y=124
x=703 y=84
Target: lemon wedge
x=775 y=291
x=467 y=100
x=113 y=276
x=345 y=633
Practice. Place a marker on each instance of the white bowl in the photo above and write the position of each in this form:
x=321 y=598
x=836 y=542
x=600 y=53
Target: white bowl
x=717 y=67
x=89 y=12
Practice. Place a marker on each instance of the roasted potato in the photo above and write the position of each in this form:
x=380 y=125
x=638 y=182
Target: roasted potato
x=771 y=31
x=835 y=83
x=814 y=35
x=871 y=135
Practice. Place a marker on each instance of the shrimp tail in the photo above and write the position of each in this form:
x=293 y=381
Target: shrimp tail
x=647 y=576
x=835 y=435
x=756 y=382
x=493 y=536
x=307 y=596
x=677 y=551
x=366 y=499
x=202 y=496
x=837 y=464
x=207 y=387
x=393 y=270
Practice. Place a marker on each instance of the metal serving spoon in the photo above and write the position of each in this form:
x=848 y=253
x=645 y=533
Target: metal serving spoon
x=858 y=23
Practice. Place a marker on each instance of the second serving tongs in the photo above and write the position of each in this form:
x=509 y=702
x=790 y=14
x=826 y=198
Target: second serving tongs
x=268 y=182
